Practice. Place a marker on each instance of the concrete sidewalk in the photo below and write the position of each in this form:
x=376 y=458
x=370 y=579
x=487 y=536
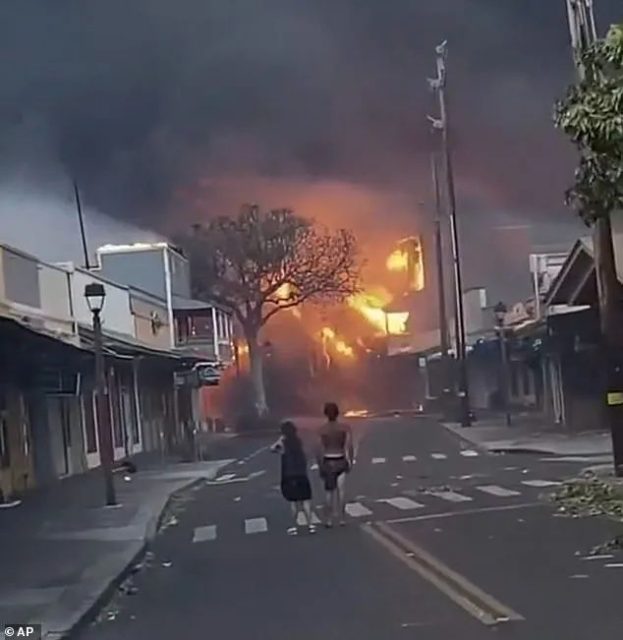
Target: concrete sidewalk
x=528 y=435
x=61 y=551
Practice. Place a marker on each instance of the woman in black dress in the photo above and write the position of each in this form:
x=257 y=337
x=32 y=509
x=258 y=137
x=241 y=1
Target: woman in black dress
x=295 y=486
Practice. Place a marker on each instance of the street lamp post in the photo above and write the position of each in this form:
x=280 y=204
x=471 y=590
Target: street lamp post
x=95 y=295
x=500 y=316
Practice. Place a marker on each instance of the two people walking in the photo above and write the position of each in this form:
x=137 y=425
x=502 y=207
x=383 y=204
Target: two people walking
x=335 y=455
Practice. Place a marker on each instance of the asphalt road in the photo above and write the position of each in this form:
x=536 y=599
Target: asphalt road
x=444 y=542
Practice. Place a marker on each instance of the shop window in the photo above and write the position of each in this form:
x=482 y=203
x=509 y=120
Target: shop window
x=202 y=327
x=5 y=454
x=88 y=422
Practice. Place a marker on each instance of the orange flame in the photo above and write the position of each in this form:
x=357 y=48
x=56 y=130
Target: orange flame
x=370 y=306
x=329 y=335
x=398 y=260
x=285 y=295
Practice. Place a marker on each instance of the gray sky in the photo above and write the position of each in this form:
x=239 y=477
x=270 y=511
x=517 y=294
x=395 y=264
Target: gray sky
x=147 y=101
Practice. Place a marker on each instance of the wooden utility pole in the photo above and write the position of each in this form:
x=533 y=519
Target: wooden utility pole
x=583 y=32
x=438 y=84
x=444 y=338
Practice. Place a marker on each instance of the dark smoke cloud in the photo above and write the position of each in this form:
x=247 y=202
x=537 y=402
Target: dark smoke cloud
x=163 y=110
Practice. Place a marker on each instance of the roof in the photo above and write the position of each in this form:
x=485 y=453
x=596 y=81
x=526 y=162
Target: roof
x=191 y=304
x=575 y=283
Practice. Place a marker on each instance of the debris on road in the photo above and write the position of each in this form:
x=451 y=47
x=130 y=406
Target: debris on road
x=589 y=496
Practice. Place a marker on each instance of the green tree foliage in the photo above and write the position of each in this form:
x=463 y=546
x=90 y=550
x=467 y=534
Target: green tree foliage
x=591 y=114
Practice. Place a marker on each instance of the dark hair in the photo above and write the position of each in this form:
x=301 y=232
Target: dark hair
x=288 y=430
x=291 y=439
x=331 y=411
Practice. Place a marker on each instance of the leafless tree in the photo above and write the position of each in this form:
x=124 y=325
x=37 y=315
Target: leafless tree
x=258 y=264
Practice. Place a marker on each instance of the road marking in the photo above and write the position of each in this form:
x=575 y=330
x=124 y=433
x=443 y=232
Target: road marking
x=400 y=502
x=500 y=492
x=461 y=591
x=464 y=512
x=615 y=565
x=255 y=525
x=357 y=510
x=225 y=477
x=204 y=534
x=256 y=474
x=409 y=458
x=540 y=483
x=450 y=496
x=607 y=556
x=378 y=460
x=469 y=453
x=301 y=520
x=438 y=456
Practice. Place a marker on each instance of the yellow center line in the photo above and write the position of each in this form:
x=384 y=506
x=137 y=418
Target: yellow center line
x=459 y=589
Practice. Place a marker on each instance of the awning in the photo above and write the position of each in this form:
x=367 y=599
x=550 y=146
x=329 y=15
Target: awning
x=123 y=347
x=191 y=304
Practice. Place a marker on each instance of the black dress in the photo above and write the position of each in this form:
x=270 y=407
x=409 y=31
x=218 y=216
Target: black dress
x=295 y=486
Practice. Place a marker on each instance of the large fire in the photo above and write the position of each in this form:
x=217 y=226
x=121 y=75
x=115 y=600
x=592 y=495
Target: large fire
x=330 y=337
x=284 y=295
x=398 y=260
x=370 y=304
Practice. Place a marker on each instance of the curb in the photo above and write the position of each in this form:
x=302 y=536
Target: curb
x=96 y=601
x=458 y=433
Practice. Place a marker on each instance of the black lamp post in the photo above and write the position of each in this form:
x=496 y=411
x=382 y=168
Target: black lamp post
x=95 y=295
x=500 y=318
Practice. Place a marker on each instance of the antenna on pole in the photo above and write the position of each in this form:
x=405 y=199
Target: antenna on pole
x=83 y=235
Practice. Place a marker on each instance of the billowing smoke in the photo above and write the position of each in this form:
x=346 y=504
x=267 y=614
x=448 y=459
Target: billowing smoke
x=145 y=102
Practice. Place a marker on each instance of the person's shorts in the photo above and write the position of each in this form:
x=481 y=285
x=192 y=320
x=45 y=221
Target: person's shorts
x=331 y=470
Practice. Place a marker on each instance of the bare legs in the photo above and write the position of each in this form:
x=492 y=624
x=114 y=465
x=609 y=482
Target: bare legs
x=335 y=502
x=340 y=501
x=305 y=509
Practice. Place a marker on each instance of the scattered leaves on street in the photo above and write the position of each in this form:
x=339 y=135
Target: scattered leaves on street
x=589 y=496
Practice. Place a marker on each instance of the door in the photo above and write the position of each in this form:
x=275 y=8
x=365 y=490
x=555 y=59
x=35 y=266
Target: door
x=90 y=429
x=65 y=422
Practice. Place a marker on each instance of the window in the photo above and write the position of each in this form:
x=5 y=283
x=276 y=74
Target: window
x=514 y=381
x=202 y=327
x=526 y=381
x=5 y=454
x=115 y=406
x=88 y=422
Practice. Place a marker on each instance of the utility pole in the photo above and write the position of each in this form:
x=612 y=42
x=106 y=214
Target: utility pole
x=583 y=32
x=441 y=290
x=438 y=85
x=83 y=235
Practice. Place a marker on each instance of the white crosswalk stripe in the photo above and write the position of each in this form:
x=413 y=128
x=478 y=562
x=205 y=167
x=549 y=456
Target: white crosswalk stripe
x=438 y=456
x=500 y=492
x=378 y=460
x=227 y=476
x=409 y=458
x=402 y=503
x=540 y=483
x=255 y=525
x=357 y=510
x=302 y=521
x=451 y=496
x=204 y=534
x=469 y=453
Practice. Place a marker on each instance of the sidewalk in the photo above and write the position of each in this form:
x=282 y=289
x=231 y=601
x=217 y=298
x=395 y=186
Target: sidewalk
x=530 y=434
x=61 y=551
